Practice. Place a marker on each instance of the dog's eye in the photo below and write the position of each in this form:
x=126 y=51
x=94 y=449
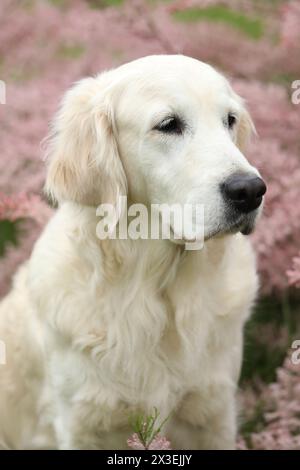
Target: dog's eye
x=170 y=125
x=231 y=120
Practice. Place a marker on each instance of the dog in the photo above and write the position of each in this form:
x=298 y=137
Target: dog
x=97 y=330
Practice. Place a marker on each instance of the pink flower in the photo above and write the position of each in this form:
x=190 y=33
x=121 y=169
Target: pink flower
x=158 y=443
x=281 y=411
x=23 y=206
x=294 y=273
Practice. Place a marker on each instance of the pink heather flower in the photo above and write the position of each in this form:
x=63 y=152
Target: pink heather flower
x=290 y=31
x=135 y=443
x=158 y=443
x=294 y=273
x=281 y=405
x=23 y=206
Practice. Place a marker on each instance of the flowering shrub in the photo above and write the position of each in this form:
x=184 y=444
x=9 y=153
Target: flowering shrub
x=294 y=273
x=278 y=426
x=257 y=44
x=147 y=435
x=290 y=32
x=20 y=205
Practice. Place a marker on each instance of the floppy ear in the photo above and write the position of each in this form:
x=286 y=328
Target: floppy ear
x=245 y=129
x=82 y=153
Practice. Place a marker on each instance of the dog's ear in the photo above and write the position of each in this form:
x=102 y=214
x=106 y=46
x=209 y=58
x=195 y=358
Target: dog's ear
x=81 y=150
x=245 y=129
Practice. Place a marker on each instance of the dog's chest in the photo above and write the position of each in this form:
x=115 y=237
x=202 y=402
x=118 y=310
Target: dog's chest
x=155 y=340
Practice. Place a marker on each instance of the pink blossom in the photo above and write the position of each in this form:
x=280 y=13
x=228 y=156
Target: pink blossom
x=294 y=273
x=21 y=206
x=158 y=443
x=290 y=31
x=281 y=411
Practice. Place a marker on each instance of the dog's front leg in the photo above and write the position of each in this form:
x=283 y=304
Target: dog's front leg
x=205 y=421
x=86 y=415
x=87 y=425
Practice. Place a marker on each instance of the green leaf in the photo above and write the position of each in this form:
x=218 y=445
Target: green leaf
x=251 y=27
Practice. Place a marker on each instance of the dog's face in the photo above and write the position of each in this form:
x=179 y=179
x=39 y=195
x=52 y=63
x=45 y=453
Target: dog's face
x=164 y=130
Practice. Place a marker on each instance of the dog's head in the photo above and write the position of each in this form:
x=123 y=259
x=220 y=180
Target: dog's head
x=161 y=129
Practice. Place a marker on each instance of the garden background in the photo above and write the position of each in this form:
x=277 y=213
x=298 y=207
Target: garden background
x=47 y=45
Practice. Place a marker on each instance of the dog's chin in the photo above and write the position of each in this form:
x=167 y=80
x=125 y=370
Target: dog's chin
x=248 y=229
x=245 y=229
x=243 y=224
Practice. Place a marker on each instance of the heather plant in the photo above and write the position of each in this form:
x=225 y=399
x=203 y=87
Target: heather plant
x=147 y=432
x=294 y=272
x=274 y=412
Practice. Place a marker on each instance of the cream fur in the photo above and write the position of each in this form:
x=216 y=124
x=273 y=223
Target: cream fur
x=97 y=330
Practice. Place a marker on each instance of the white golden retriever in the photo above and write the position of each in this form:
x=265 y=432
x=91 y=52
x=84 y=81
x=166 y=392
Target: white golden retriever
x=98 y=330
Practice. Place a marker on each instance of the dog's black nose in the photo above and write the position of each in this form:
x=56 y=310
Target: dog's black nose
x=245 y=192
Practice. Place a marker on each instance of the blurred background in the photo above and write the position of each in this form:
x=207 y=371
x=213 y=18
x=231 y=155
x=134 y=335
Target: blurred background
x=47 y=45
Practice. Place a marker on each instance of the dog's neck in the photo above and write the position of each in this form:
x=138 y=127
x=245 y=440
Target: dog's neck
x=158 y=261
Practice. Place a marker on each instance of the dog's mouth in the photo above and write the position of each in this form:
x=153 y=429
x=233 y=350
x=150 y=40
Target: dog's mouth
x=244 y=224
x=234 y=223
x=247 y=229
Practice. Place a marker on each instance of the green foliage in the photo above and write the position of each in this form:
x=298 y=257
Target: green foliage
x=60 y=3
x=144 y=427
x=70 y=51
x=105 y=3
x=254 y=424
x=284 y=79
x=252 y=27
x=159 y=1
x=268 y=336
x=23 y=73
x=8 y=234
x=64 y=4
x=261 y=360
